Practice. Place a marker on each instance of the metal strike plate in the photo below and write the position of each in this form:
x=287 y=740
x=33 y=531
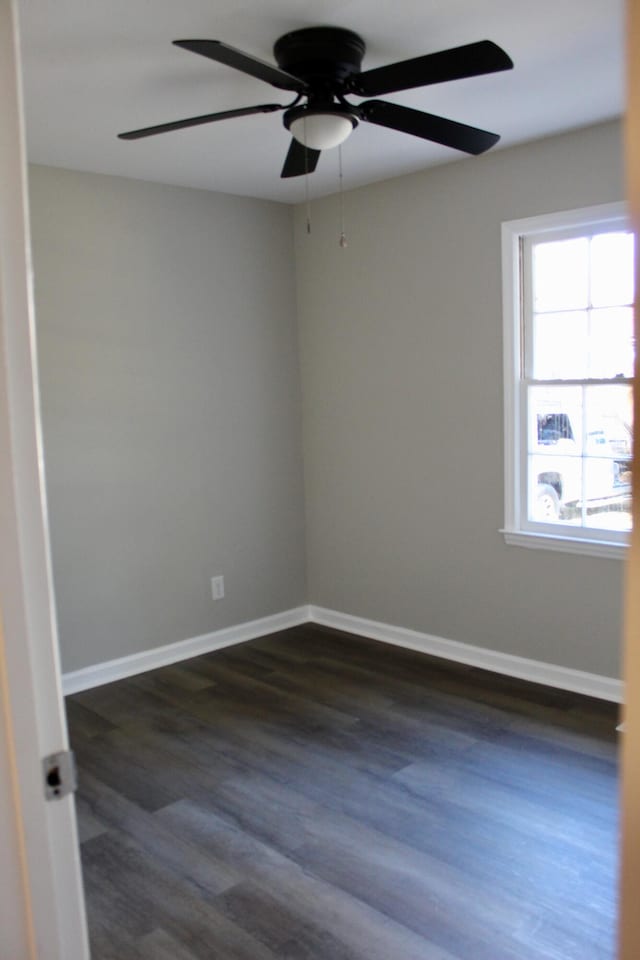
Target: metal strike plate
x=60 y=778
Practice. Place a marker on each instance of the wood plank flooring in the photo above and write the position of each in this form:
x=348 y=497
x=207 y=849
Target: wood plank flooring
x=316 y=796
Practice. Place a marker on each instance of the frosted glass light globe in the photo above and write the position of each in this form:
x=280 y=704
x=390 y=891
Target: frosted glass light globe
x=321 y=131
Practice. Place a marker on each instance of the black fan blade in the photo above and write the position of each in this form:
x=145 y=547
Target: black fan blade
x=197 y=121
x=299 y=160
x=216 y=50
x=471 y=60
x=438 y=129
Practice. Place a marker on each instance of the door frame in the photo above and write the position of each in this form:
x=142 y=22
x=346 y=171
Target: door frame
x=629 y=917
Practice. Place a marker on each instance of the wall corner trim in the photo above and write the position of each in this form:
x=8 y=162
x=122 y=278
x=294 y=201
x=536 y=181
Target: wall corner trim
x=564 y=678
x=119 y=669
x=551 y=675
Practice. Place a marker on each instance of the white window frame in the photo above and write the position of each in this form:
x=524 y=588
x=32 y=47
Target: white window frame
x=517 y=529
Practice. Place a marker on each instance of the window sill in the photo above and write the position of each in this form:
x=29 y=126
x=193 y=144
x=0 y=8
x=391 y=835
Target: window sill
x=545 y=541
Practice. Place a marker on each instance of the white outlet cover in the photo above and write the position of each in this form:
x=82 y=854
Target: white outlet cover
x=217 y=588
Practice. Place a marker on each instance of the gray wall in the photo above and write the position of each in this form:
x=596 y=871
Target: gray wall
x=170 y=396
x=401 y=359
x=168 y=363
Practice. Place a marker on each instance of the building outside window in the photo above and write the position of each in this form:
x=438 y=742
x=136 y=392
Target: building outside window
x=569 y=356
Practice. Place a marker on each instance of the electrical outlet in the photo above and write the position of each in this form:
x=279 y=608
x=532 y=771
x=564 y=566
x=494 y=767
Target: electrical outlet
x=217 y=588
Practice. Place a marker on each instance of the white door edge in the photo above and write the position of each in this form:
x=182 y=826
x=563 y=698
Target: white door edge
x=45 y=874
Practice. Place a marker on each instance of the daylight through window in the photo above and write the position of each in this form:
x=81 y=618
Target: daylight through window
x=569 y=362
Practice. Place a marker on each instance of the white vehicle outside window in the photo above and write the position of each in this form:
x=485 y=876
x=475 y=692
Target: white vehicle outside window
x=569 y=353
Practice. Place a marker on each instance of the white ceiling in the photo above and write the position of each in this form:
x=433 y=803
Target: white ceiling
x=93 y=69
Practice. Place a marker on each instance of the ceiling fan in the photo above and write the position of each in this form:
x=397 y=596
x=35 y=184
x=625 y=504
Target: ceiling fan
x=321 y=65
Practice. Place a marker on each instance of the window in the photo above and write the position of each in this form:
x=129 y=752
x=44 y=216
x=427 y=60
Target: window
x=569 y=356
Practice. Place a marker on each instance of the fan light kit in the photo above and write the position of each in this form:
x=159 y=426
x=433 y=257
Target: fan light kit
x=321 y=65
x=319 y=129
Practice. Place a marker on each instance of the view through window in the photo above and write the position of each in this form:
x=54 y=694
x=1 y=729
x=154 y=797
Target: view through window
x=572 y=434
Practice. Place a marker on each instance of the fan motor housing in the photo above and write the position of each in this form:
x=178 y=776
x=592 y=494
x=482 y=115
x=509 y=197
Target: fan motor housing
x=320 y=55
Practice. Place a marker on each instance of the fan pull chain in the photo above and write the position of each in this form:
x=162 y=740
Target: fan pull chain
x=306 y=196
x=306 y=177
x=343 y=237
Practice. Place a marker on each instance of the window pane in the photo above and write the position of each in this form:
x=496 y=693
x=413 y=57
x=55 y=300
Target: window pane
x=611 y=344
x=579 y=455
x=608 y=413
x=555 y=451
x=561 y=275
x=550 y=479
x=555 y=421
x=612 y=269
x=583 y=344
x=561 y=345
x=608 y=496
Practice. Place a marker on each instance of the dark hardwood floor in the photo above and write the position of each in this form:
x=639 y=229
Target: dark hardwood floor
x=316 y=796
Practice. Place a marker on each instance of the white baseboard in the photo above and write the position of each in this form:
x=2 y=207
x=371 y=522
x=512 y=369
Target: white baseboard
x=135 y=663
x=564 y=678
